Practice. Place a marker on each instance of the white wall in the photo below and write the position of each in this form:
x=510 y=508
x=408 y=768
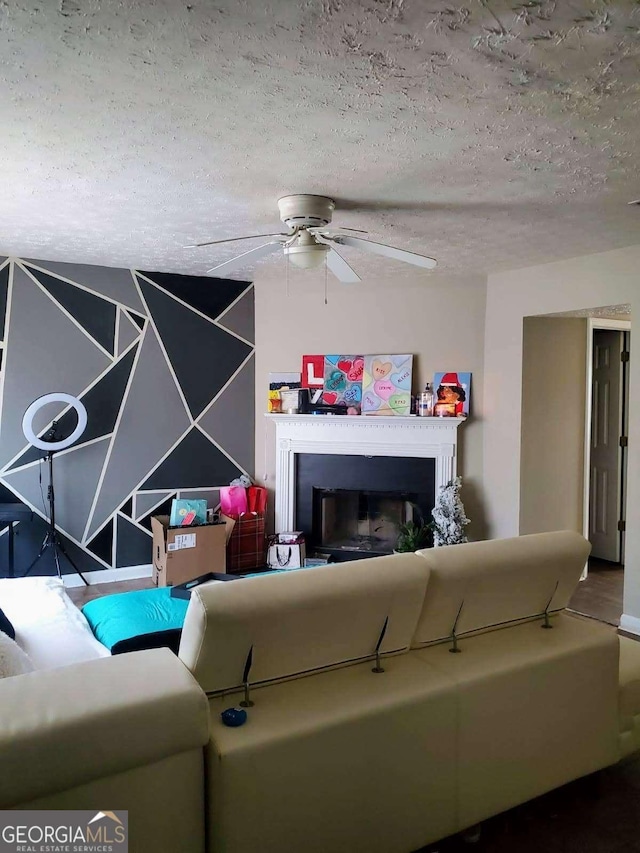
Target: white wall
x=440 y=321
x=592 y=281
x=554 y=379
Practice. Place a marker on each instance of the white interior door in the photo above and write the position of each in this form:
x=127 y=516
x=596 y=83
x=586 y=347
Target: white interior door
x=606 y=452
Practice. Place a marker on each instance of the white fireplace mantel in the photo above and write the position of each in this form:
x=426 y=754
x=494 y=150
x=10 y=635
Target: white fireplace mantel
x=435 y=438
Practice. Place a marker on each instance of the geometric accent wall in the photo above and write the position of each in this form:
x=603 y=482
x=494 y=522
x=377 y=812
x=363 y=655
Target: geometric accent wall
x=164 y=364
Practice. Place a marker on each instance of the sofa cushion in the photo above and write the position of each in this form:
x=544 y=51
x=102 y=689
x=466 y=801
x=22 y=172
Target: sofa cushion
x=49 y=627
x=13 y=660
x=487 y=584
x=629 y=698
x=137 y=620
x=534 y=710
x=346 y=760
x=5 y=625
x=298 y=622
x=95 y=719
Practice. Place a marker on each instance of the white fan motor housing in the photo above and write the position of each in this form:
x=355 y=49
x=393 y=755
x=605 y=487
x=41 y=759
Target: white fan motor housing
x=306 y=211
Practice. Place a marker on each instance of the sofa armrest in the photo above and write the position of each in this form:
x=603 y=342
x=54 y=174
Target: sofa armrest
x=65 y=727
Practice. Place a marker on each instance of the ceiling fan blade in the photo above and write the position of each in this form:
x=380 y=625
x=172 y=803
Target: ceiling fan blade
x=246 y=257
x=386 y=251
x=330 y=229
x=340 y=268
x=233 y=240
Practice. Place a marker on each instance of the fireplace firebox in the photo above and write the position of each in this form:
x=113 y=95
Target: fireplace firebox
x=351 y=507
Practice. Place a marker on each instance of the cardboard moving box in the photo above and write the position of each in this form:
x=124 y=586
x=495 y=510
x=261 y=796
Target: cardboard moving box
x=183 y=553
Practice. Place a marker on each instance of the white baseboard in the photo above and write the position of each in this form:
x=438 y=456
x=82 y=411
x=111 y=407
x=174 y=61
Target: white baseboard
x=109 y=575
x=631 y=624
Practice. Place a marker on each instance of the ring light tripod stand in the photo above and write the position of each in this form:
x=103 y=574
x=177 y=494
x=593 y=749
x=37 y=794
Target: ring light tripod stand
x=50 y=443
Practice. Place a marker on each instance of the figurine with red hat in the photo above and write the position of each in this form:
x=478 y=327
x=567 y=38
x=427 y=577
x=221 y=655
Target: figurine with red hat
x=451 y=393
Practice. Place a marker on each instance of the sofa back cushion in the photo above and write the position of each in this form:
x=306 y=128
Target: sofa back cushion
x=497 y=582
x=293 y=623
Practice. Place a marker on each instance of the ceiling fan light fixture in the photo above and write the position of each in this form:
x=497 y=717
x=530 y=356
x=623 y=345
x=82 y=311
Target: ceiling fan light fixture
x=307 y=257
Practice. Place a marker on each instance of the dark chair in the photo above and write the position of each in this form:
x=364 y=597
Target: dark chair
x=9 y=514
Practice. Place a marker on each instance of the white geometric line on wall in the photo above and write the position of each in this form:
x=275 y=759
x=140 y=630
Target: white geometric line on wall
x=220 y=319
x=67 y=313
x=54 y=268
x=191 y=308
x=135 y=524
x=217 y=323
x=59 y=453
x=113 y=437
x=33 y=368
x=128 y=332
x=163 y=348
x=161 y=460
x=7 y=315
x=114 y=541
x=120 y=351
x=224 y=453
x=150 y=419
x=143 y=507
x=75 y=476
x=82 y=394
x=175 y=299
x=237 y=436
x=224 y=388
x=45 y=518
x=235 y=301
x=116 y=332
x=184 y=435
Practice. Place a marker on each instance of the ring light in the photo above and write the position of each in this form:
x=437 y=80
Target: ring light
x=34 y=408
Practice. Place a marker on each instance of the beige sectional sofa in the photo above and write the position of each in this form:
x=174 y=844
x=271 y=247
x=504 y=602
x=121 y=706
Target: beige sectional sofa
x=336 y=756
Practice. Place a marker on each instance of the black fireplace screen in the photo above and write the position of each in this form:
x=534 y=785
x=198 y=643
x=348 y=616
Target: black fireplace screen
x=352 y=506
x=355 y=520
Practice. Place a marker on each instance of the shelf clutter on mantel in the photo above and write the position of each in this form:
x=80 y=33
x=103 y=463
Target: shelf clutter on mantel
x=393 y=419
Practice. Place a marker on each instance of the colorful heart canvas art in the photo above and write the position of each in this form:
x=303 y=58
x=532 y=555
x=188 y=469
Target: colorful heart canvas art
x=386 y=385
x=343 y=381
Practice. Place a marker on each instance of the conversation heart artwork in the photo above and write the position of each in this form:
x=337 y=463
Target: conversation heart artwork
x=343 y=381
x=386 y=384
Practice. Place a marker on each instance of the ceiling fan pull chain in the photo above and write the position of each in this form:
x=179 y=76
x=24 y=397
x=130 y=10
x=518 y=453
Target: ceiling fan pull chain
x=286 y=274
x=326 y=276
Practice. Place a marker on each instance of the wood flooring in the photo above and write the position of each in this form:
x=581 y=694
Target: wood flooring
x=81 y=594
x=600 y=595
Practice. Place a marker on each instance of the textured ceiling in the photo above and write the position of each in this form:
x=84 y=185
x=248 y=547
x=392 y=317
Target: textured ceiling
x=490 y=135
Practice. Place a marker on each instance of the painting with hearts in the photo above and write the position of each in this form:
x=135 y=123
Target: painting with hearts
x=343 y=382
x=386 y=385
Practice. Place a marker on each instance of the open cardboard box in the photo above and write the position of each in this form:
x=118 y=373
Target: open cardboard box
x=183 y=553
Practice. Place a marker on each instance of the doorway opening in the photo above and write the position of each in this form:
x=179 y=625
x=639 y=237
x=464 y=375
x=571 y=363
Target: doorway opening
x=606 y=430
x=563 y=405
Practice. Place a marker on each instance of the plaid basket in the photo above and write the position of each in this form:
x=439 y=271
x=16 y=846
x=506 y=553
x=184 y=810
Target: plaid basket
x=246 y=547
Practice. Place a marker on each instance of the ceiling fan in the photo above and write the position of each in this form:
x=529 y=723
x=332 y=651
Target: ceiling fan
x=309 y=241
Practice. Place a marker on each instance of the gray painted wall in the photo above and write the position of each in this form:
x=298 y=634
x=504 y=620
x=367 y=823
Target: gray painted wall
x=165 y=367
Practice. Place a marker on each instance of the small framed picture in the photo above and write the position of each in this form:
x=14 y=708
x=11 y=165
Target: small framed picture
x=452 y=390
